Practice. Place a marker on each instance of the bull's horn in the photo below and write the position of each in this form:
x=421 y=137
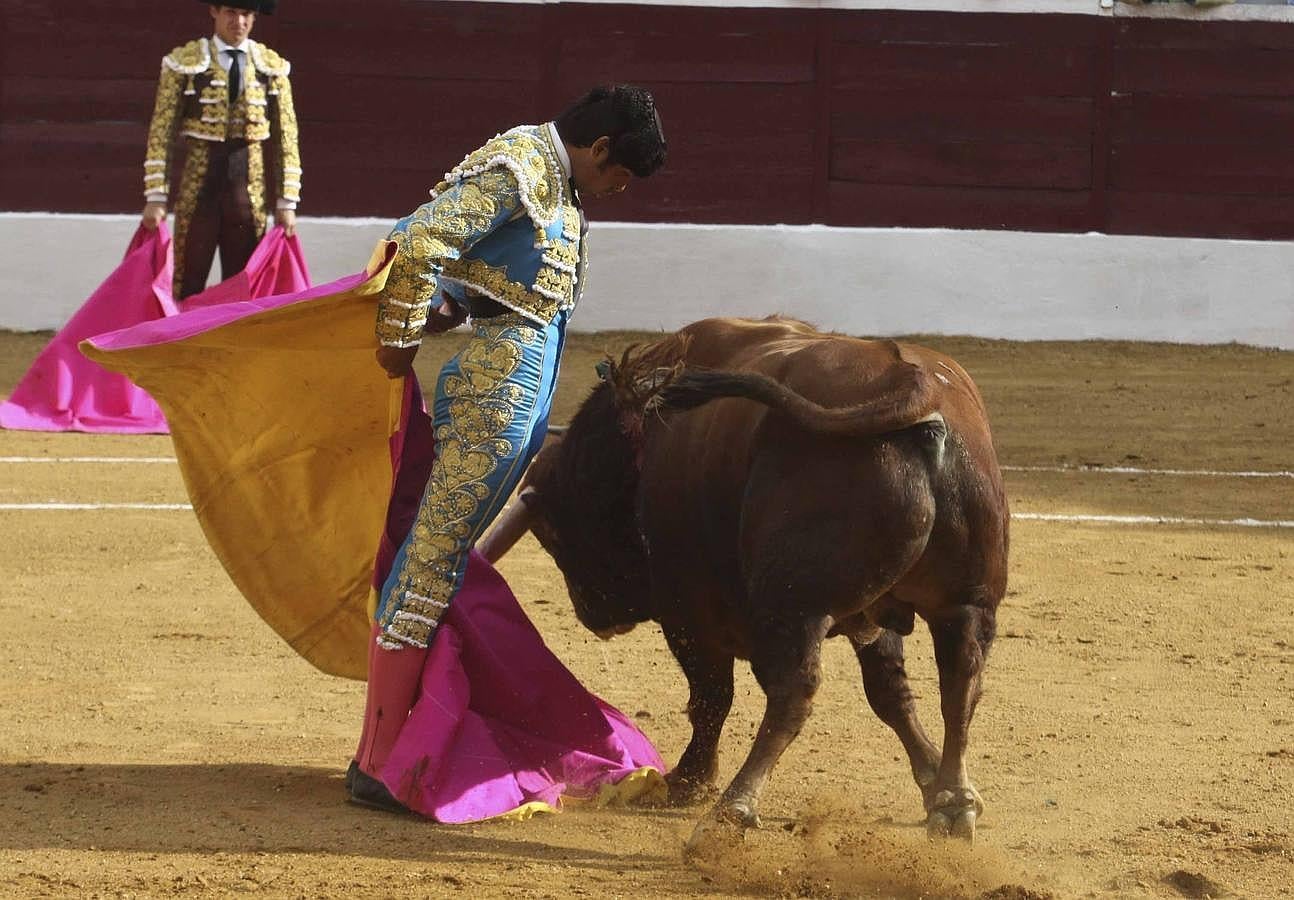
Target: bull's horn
x=512 y=523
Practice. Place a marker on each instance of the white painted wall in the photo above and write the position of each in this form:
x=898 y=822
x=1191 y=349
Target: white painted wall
x=860 y=280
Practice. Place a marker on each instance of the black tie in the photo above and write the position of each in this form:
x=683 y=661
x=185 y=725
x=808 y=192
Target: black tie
x=235 y=76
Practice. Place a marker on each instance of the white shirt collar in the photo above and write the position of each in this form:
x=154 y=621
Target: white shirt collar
x=221 y=46
x=562 y=156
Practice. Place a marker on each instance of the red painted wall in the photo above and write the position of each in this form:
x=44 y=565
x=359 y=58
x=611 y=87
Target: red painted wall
x=1040 y=122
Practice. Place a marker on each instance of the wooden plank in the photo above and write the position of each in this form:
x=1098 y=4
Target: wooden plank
x=493 y=42
x=1186 y=34
x=1102 y=129
x=959 y=28
x=718 y=197
x=742 y=57
x=1264 y=168
x=909 y=206
x=930 y=117
x=1203 y=120
x=75 y=146
x=383 y=106
x=1202 y=215
x=822 y=125
x=662 y=44
x=81 y=51
x=957 y=71
x=1233 y=72
x=741 y=114
x=437 y=149
x=32 y=98
x=670 y=196
x=58 y=188
x=966 y=163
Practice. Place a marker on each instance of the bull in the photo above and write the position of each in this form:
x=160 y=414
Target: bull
x=757 y=486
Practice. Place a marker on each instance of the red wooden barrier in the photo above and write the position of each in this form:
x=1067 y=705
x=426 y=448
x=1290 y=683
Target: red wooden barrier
x=848 y=117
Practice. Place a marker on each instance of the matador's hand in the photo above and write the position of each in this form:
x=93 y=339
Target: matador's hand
x=154 y=215
x=444 y=317
x=398 y=361
x=288 y=219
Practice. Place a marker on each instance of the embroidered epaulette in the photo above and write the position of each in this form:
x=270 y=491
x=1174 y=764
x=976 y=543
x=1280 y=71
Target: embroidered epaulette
x=531 y=160
x=190 y=58
x=269 y=62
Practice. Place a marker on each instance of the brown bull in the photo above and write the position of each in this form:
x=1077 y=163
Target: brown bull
x=834 y=486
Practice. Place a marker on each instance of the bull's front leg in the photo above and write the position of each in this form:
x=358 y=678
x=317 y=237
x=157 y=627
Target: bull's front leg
x=709 y=680
x=961 y=642
x=786 y=663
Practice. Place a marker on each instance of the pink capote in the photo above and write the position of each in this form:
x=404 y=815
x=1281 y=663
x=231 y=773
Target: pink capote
x=499 y=722
x=276 y=267
x=64 y=391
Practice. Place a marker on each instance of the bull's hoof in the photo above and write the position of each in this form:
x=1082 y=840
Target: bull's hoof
x=938 y=825
x=964 y=826
x=721 y=831
x=954 y=814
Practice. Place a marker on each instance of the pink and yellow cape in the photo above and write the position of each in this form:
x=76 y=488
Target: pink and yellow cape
x=288 y=434
x=64 y=391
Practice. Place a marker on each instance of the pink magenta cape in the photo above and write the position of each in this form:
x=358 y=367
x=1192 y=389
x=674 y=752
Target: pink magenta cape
x=64 y=391
x=305 y=477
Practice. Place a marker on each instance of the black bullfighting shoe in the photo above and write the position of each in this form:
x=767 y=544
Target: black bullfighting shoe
x=365 y=790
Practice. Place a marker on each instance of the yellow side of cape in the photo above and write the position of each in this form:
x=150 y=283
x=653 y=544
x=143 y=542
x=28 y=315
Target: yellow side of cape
x=281 y=424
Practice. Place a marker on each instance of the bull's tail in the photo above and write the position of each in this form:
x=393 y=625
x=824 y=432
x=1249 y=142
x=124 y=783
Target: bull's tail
x=904 y=395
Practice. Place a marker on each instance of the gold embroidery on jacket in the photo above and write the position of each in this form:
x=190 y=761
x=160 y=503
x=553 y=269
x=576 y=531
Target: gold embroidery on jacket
x=256 y=186
x=206 y=114
x=196 y=161
x=483 y=404
x=435 y=233
x=527 y=161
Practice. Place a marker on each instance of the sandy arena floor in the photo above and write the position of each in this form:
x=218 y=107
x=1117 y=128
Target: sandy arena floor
x=1136 y=738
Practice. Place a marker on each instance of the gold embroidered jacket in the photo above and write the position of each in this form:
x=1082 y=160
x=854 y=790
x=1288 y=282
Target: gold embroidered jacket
x=503 y=224
x=193 y=99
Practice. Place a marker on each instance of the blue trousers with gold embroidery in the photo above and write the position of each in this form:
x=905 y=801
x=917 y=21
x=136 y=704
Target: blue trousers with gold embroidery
x=490 y=416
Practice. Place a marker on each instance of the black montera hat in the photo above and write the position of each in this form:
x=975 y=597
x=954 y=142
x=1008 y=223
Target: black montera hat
x=256 y=6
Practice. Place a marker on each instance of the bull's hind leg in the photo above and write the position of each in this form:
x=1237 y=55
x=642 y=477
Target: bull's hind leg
x=709 y=681
x=961 y=639
x=885 y=681
x=786 y=663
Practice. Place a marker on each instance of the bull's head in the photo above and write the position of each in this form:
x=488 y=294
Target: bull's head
x=580 y=497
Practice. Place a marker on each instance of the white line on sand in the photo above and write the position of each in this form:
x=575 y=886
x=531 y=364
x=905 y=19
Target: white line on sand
x=85 y=506
x=1130 y=470
x=1096 y=470
x=1035 y=517
x=1154 y=520
x=87 y=459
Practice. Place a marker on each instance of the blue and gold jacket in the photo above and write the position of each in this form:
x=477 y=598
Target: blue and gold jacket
x=503 y=223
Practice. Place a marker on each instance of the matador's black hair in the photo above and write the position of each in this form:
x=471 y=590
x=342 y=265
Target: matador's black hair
x=627 y=115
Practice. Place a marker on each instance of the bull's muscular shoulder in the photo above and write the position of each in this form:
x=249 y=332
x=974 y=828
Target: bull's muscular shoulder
x=727 y=342
x=190 y=58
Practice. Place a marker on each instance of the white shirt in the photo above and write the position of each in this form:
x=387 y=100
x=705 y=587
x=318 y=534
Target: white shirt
x=226 y=59
x=562 y=156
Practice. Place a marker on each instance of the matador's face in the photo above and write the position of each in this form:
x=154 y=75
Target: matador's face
x=233 y=25
x=594 y=175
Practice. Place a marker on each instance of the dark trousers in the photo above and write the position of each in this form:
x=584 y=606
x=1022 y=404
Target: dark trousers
x=223 y=217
